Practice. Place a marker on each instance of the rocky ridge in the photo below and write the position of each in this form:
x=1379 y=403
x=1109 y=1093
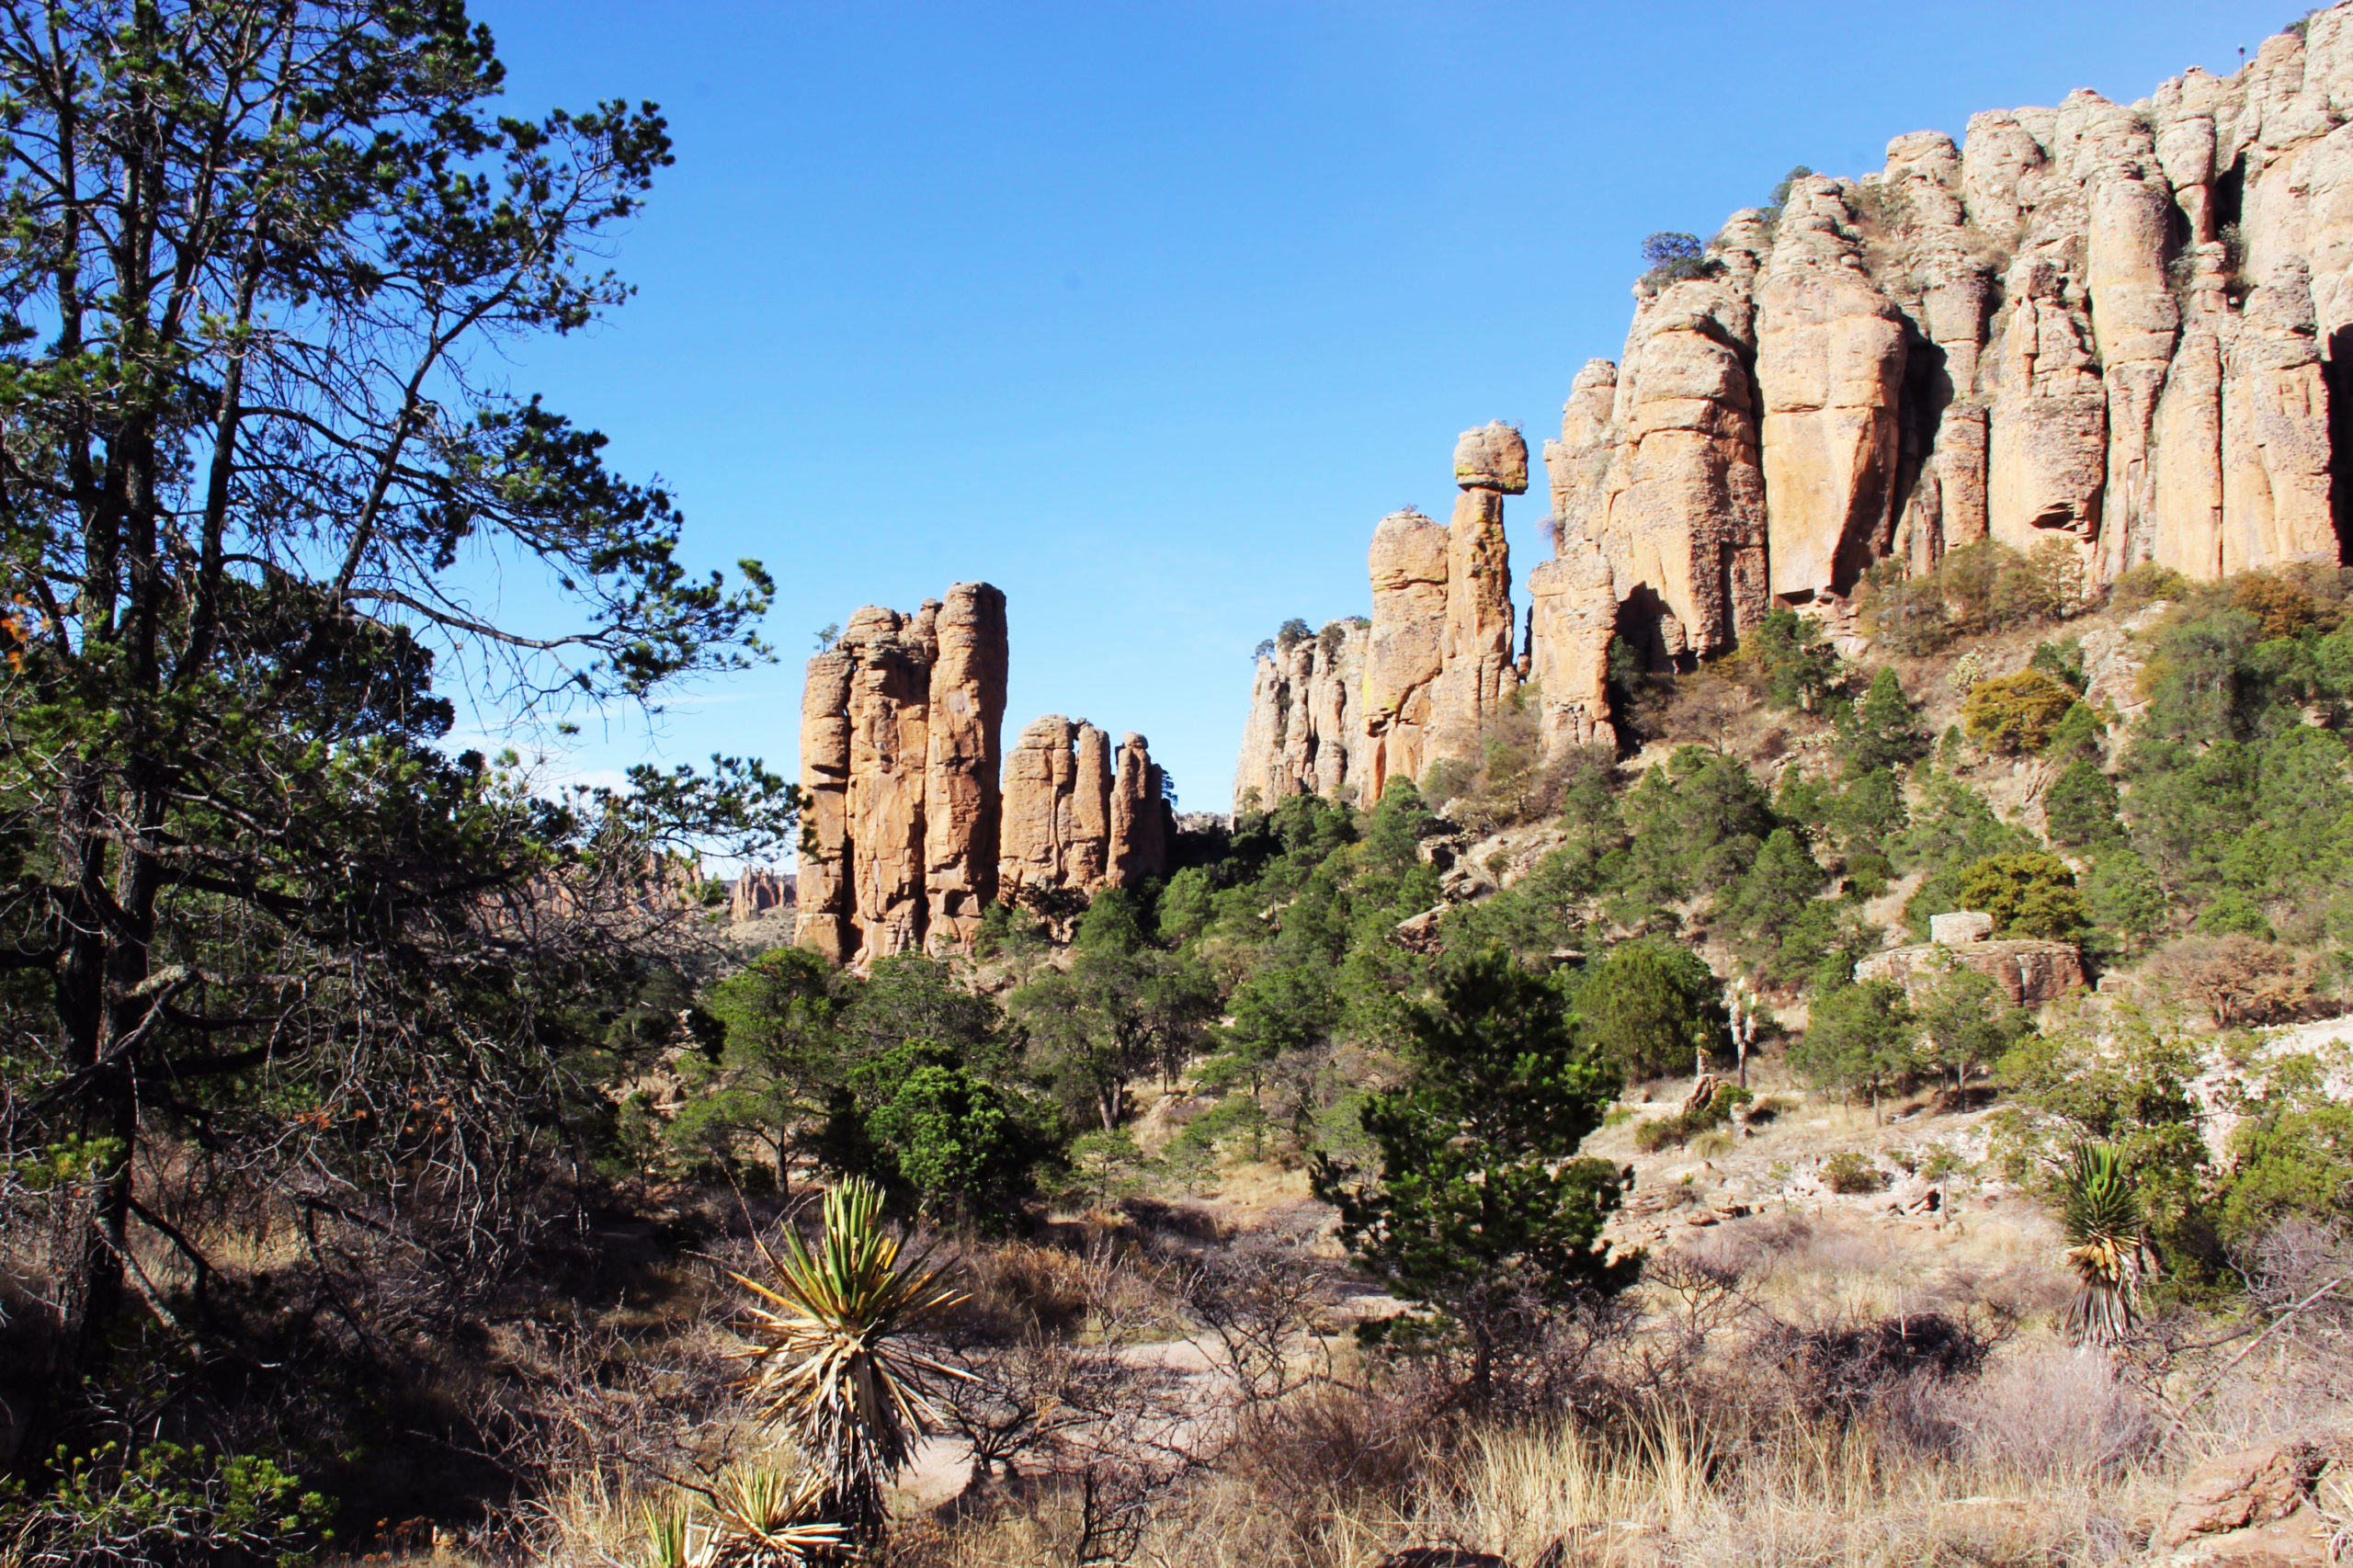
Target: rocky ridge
x=2115 y=334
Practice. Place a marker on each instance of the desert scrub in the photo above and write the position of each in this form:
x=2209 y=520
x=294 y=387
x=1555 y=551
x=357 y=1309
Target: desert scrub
x=1674 y=1131
x=1851 y=1174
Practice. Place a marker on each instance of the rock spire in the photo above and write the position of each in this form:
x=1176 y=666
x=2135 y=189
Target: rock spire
x=900 y=721
x=2110 y=335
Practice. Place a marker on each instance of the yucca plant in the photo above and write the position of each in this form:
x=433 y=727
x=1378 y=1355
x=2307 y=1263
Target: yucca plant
x=836 y=1358
x=2108 y=1246
x=766 y=1519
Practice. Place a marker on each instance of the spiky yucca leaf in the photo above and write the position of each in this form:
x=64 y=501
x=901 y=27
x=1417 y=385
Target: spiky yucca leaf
x=669 y=1538
x=833 y=1354
x=771 y=1520
x=2104 y=1223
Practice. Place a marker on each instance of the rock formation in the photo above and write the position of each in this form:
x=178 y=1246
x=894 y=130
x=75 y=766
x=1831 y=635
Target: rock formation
x=899 y=735
x=2121 y=334
x=1070 y=823
x=759 y=892
x=1306 y=733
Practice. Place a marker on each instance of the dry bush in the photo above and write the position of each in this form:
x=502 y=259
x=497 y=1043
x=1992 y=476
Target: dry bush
x=2236 y=979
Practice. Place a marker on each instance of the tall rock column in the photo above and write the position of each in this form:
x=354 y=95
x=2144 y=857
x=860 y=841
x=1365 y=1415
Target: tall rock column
x=1068 y=825
x=899 y=741
x=1476 y=669
x=2188 y=430
x=1306 y=729
x=889 y=734
x=2049 y=443
x=823 y=915
x=1408 y=564
x=2135 y=319
x=1573 y=614
x=2275 y=430
x=1139 y=816
x=961 y=800
x=1830 y=355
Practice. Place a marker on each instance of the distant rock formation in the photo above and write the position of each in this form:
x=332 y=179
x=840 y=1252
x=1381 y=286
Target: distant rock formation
x=2118 y=334
x=759 y=892
x=1306 y=733
x=1074 y=819
x=900 y=723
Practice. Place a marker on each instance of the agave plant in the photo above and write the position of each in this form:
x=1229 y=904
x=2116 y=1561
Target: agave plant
x=834 y=1357
x=765 y=1520
x=2108 y=1247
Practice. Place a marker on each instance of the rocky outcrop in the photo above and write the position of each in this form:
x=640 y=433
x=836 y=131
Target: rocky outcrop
x=758 y=892
x=1409 y=568
x=1070 y=824
x=2252 y=1506
x=899 y=734
x=1438 y=659
x=2031 y=971
x=1306 y=733
x=2113 y=334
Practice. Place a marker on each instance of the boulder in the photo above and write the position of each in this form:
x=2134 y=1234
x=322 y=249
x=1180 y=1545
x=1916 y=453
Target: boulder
x=2031 y=971
x=2239 y=1492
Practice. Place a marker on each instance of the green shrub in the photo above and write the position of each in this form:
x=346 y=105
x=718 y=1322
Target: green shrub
x=2027 y=894
x=2081 y=807
x=1674 y=1131
x=2016 y=714
x=1852 y=1174
x=162 y=1503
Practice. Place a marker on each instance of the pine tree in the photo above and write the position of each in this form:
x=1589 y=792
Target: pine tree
x=1479 y=1205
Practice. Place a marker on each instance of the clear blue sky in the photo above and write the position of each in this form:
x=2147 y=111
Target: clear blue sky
x=1146 y=314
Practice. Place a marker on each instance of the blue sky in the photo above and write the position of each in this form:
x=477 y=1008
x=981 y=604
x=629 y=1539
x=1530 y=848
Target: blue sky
x=1147 y=313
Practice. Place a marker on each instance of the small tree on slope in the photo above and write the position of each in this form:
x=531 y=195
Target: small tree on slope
x=1480 y=1204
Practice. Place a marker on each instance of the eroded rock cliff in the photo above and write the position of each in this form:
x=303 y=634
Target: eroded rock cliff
x=2122 y=333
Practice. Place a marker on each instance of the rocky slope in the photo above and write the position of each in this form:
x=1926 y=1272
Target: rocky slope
x=2122 y=332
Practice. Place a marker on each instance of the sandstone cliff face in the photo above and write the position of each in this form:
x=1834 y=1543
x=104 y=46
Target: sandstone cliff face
x=898 y=760
x=1306 y=733
x=1070 y=823
x=2118 y=332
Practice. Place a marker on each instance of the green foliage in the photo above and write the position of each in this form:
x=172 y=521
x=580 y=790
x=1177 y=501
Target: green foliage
x=2291 y=1158
x=1788 y=662
x=2081 y=808
x=1951 y=830
x=2076 y=736
x=1966 y=1024
x=163 y=1503
x=1664 y=1131
x=1858 y=1041
x=266 y=460
x=2125 y=896
x=2102 y=1219
x=963 y=1147
x=1883 y=729
x=2127 y=1086
x=2031 y=894
x=1672 y=257
x=1650 y=1008
x=2063 y=661
x=837 y=1360
x=1115 y=1016
x=1852 y=1173
x=1982 y=587
x=2015 y=713
x=1479 y=1204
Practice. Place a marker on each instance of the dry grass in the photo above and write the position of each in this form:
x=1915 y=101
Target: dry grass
x=1675 y=1485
